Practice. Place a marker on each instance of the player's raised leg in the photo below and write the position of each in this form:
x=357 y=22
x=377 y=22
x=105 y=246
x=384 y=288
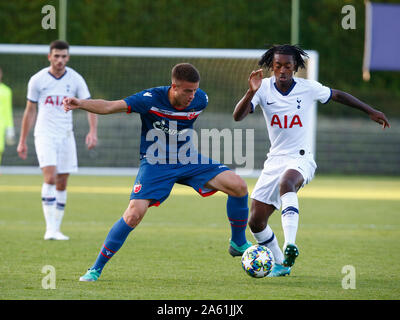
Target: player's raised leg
x=290 y=183
x=261 y=230
x=237 y=208
x=117 y=236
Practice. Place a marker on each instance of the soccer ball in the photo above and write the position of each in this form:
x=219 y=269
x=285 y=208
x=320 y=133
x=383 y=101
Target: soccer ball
x=257 y=261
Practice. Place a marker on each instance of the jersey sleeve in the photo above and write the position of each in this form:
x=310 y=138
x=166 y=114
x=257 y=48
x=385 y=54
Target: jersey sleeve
x=82 y=90
x=33 y=90
x=203 y=98
x=256 y=100
x=321 y=93
x=139 y=102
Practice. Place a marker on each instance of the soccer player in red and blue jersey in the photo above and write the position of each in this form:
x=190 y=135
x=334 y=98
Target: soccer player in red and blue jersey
x=168 y=156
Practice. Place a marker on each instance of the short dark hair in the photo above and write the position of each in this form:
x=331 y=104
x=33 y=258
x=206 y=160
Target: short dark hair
x=293 y=50
x=185 y=72
x=59 y=44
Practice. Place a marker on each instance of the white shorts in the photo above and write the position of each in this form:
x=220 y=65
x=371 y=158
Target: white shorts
x=266 y=189
x=57 y=151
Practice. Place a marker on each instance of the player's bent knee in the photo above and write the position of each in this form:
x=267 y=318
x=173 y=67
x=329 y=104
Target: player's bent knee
x=49 y=179
x=240 y=187
x=61 y=186
x=132 y=218
x=259 y=215
x=135 y=212
x=286 y=186
x=230 y=183
x=256 y=224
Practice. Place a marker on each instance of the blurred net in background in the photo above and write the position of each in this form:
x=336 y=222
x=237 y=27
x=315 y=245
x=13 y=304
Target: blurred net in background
x=343 y=146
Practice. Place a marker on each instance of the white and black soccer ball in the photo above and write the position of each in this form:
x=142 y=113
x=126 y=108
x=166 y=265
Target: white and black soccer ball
x=257 y=261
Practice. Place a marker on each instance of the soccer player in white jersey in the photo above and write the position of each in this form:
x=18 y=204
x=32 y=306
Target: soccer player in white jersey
x=286 y=102
x=54 y=138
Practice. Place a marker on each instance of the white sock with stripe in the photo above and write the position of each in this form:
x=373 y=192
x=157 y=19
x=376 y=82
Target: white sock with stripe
x=267 y=238
x=61 y=199
x=49 y=204
x=290 y=216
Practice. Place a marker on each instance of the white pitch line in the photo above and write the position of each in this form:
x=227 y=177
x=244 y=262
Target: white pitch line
x=316 y=193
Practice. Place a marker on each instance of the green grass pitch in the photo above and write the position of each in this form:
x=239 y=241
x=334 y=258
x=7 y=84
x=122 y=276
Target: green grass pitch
x=179 y=251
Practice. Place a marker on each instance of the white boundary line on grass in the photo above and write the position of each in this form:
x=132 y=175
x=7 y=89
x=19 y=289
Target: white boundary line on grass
x=105 y=171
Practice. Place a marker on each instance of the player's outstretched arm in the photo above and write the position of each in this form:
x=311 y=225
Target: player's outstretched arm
x=98 y=106
x=351 y=101
x=243 y=107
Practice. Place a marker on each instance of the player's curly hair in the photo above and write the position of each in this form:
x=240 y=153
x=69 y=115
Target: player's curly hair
x=294 y=50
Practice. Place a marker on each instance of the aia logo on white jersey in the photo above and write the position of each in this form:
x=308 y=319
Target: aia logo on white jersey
x=54 y=100
x=286 y=122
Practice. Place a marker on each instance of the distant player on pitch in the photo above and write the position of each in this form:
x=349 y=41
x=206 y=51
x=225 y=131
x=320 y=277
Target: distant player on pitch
x=54 y=137
x=168 y=114
x=286 y=103
x=7 y=133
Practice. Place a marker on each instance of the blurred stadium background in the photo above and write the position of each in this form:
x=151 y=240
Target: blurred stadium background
x=347 y=141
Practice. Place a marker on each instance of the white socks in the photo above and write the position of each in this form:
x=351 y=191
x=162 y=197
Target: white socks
x=61 y=199
x=267 y=238
x=49 y=204
x=290 y=222
x=290 y=216
x=53 y=203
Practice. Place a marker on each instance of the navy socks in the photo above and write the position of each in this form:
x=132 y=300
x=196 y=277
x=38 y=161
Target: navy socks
x=114 y=240
x=238 y=211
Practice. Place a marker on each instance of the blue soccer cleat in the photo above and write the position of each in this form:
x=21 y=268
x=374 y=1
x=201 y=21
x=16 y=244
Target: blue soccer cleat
x=91 y=275
x=237 y=251
x=291 y=252
x=279 y=270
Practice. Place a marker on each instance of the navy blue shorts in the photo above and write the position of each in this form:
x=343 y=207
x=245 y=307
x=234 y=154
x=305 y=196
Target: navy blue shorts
x=155 y=181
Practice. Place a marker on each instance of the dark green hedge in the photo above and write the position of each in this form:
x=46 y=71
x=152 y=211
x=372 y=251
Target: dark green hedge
x=217 y=24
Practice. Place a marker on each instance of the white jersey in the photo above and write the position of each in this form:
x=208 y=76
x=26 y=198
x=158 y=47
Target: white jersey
x=288 y=115
x=48 y=92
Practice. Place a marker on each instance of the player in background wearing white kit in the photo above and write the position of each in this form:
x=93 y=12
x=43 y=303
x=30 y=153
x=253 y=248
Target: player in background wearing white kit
x=54 y=138
x=286 y=103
